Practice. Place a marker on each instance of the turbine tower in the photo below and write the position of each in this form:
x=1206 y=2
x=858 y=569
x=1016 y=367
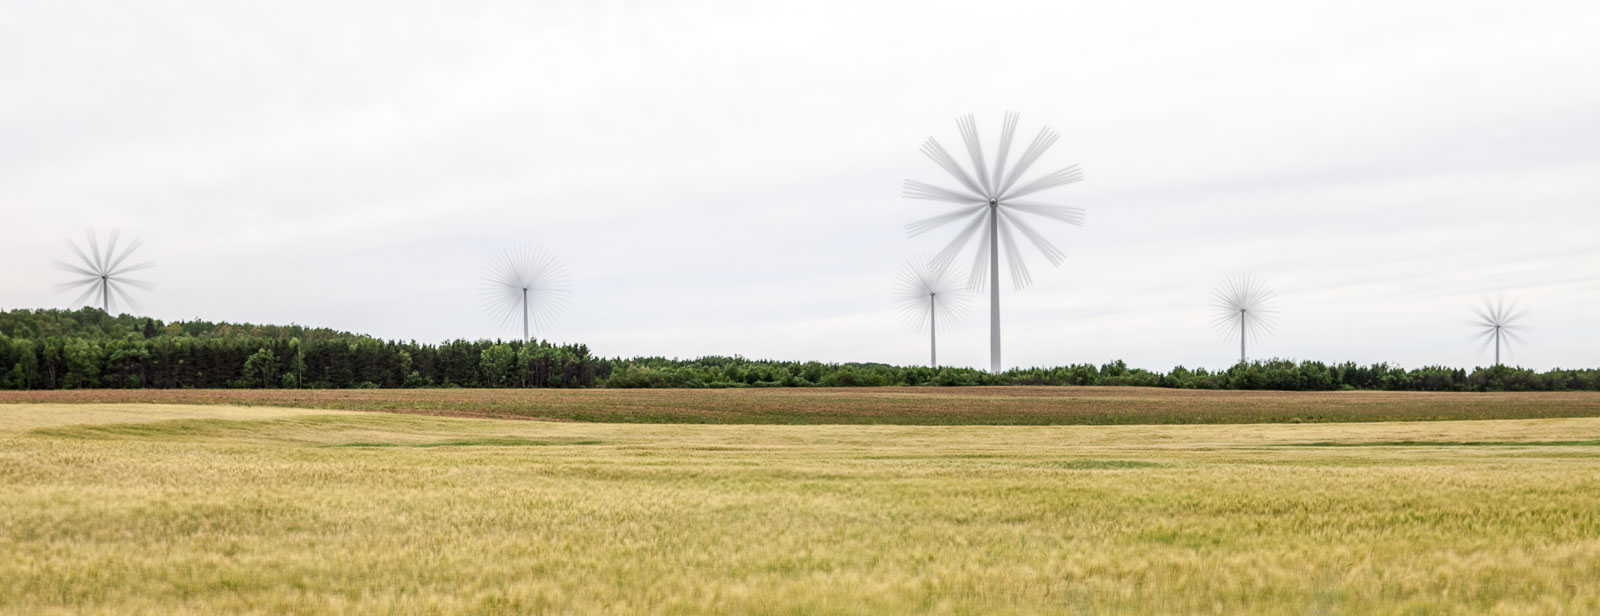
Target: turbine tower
x=525 y=280
x=928 y=294
x=991 y=206
x=1243 y=304
x=104 y=274
x=1497 y=324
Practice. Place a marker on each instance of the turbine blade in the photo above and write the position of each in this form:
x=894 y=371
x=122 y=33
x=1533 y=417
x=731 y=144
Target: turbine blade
x=1260 y=326
x=111 y=246
x=131 y=268
x=132 y=246
x=1224 y=317
x=913 y=189
x=1053 y=254
x=1243 y=298
x=523 y=281
x=68 y=267
x=933 y=150
x=980 y=265
x=953 y=306
x=138 y=284
x=1064 y=213
x=116 y=290
x=913 y=292
x=1041 y=142
x=1008 y=129
x=1060 y=177
x=67 y=286
x=84 y=257
x=948 y=254
x=928 y=224
x=94 y=248
x=969 y=135
x=1020 y=279
x=93 y=290
x=945 y=280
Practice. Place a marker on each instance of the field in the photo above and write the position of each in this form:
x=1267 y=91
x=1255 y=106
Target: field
x=173 y=509
x=885 y=405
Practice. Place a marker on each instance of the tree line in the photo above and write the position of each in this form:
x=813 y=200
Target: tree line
x=87 y=348
x=1275 y=374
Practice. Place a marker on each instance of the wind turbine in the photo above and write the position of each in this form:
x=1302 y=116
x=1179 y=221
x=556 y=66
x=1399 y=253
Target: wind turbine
x=1497 y=323
x=525 y=280
x=103 y=274
x=927 y=291
x=1243 y=305
x=991 y=206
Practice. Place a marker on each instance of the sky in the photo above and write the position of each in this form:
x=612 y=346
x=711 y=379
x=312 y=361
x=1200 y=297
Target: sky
x=723 y=178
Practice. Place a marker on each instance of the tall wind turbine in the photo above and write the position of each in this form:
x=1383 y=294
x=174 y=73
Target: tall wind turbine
x=1497 y=324
x=1243 y=304
x=930 y=294
x=991 y=206
x=526 y=281
x=103 y=274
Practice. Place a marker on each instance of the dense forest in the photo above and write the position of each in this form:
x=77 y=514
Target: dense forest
x=60 y=349
x=86 y=348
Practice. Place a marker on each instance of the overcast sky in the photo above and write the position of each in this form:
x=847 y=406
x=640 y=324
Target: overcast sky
x=724 y=178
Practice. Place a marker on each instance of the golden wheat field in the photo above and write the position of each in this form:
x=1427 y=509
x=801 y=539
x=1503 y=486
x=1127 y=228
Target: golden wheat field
x=190 y=509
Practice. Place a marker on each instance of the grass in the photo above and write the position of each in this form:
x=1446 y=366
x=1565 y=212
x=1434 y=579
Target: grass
x=886 y=405
x=188 y=509
x=501 y=441
x=1591 y=443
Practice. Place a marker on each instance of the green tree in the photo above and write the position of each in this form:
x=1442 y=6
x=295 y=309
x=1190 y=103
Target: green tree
x=497 y=362
x=527 y=355
x=295 y=375
x=24 y=367
x=84 y=363
x=261 y=367
x=128 y=362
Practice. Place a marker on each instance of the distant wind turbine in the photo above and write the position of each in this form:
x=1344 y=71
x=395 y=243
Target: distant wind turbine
x=103 y=274
x=1243 y=305
x=929 y=294
x=1497 y=324
x=991 y=207
x=526 y=281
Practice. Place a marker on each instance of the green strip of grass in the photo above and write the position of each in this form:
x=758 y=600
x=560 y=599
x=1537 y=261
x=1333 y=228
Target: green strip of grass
x=1099 y=465
x=476 y=442
x=192 y=429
